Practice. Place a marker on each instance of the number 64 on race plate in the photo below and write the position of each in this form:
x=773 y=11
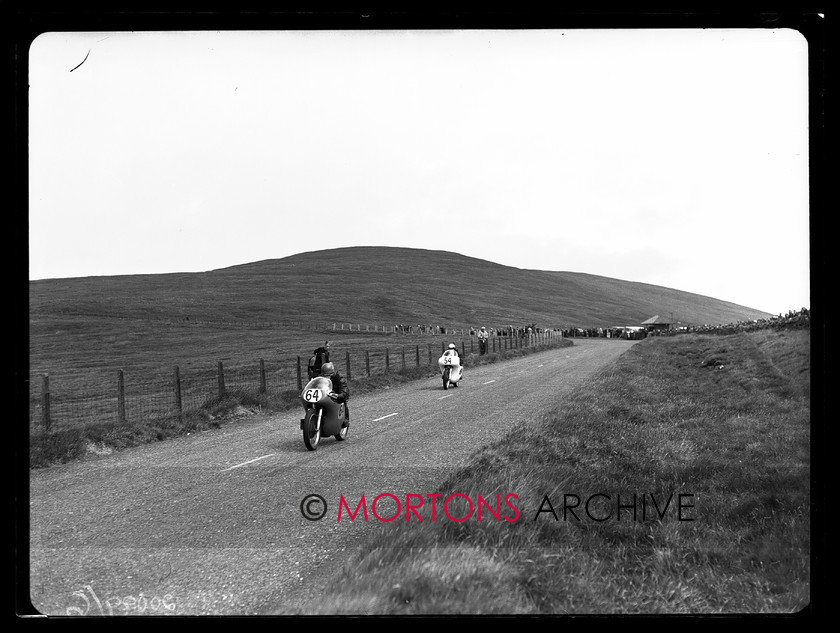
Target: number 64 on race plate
x=312 y=395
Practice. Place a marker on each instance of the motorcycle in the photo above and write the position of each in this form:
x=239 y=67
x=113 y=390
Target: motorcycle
x=323 y=416
x=451 y=370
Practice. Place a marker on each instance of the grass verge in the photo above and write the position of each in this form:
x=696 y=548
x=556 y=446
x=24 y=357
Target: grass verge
x=722 y=420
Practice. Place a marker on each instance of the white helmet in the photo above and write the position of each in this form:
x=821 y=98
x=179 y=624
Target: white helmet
x=452 y=346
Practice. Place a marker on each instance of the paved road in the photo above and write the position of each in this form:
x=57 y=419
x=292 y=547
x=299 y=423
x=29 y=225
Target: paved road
x=211 y=523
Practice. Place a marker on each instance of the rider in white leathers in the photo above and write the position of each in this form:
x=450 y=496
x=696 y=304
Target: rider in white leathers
x=453 y=351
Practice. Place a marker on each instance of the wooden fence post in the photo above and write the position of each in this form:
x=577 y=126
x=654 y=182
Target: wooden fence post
x=417 y=351
x=120 y=397
x=430 y=353
x=387 y=361
x=367 y=362
x=221 y=381
x=299 y=377
x=403 y=358
x=262 y=376
x=45 y=403
x=178 y=403
x=348 y=365
x=463 y=349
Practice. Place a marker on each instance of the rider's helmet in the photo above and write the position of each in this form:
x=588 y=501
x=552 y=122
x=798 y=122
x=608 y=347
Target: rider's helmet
x=327 y=369
x=452 y=346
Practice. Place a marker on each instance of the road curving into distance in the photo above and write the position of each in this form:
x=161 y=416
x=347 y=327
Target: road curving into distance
x=212 y=523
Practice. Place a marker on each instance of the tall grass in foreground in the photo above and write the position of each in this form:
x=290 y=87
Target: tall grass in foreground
x=723 y=418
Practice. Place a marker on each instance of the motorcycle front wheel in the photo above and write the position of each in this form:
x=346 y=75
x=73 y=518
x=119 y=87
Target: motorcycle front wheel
x=311 y=434
x=446 y=378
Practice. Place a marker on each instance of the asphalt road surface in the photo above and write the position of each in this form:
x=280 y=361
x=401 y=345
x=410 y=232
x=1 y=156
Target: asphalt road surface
x=212 y=524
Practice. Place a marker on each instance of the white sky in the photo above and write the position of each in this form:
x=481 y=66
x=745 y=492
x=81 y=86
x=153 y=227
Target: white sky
x=672 y=157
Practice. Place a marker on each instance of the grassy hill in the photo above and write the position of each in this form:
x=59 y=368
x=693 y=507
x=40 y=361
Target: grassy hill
x=382 y=285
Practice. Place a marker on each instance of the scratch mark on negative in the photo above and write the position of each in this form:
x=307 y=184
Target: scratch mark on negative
x=250 y=461
x=82 y=62
x=168 y=574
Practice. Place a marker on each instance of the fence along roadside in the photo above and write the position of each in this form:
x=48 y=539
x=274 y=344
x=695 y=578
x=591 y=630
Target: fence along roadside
x=187 y=392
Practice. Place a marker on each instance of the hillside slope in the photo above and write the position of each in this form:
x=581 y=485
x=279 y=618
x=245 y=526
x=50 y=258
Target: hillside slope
x=382 y=285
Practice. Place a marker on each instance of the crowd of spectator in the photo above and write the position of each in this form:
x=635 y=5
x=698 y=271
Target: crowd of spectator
x=510 y=330
x=587 y=332
x=506 y=330
x=791 y=320
x=605 y=332
x=402 y=328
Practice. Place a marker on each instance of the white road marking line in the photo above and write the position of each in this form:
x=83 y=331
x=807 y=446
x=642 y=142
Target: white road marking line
x=446 y=396
x=488 y=382
x=246 y=463
x=385 y=416
x=539 y=365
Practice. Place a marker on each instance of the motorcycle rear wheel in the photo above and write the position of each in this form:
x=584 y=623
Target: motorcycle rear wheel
x=342 y=434
x=311 y=434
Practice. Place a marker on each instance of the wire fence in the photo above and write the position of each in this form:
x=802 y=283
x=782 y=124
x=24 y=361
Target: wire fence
x=323 y=326
x=125 y=398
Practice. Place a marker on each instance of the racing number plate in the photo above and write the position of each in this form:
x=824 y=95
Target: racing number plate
x=312 y=395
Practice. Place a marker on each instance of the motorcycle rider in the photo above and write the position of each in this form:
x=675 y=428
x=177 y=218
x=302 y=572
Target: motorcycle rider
x=340 y=393
x=453 y=351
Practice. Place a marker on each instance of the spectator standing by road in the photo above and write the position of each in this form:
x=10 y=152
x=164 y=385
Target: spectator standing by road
x=482 y=340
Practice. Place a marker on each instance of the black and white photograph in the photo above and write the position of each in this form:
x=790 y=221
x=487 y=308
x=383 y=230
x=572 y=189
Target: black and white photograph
x=419 y=315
